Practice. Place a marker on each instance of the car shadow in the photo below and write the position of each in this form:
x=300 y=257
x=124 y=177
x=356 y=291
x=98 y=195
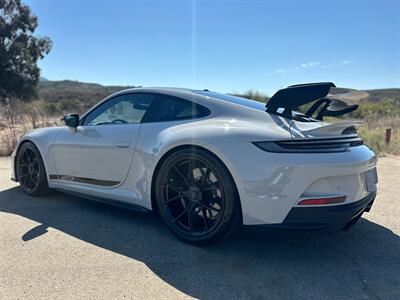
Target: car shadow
x=256 y=263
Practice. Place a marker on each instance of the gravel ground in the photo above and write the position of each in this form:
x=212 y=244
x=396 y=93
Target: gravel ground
x=63 y=247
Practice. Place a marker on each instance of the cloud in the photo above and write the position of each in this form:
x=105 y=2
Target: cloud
x=346 y=62
x=312 y=65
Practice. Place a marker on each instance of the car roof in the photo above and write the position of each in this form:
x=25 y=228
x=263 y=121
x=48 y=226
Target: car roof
x=205 y=94
x=157 y=89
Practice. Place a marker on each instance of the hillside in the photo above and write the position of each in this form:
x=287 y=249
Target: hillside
x=379 y=95
x=67 y=95
x=74 y=94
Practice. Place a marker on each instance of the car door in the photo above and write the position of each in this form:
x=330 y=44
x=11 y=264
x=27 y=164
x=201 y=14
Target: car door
x=100 y=151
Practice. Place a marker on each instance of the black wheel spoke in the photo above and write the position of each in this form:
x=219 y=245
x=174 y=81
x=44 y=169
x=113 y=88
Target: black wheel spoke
x=211 y=188
x=173 y=199
x=32 y=182
x=190 y=170
x=31 y=156
x=185 y=180
x=204 y=177
x=35 y=178
x=204 y=213
x=180 y=215
x=176 y=189
x=22 y=178
x=27 y=181
x=25 y=157
x=190 y=219
x=36 y=164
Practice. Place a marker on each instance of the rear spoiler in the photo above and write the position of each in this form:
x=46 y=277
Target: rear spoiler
x=330 y=100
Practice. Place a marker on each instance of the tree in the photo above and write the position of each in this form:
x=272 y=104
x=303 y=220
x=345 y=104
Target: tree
x=20 y=51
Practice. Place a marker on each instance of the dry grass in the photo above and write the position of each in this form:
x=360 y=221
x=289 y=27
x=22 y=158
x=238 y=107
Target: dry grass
x=9 y=135
x=373 y=132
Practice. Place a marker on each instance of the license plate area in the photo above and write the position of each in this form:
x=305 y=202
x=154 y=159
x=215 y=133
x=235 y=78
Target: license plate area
x=371 y=179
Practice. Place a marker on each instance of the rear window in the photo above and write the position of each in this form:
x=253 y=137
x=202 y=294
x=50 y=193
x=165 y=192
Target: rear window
x=233 y=99
x=168 y=108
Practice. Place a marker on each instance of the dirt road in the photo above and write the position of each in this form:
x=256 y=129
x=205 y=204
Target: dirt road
x=65 y=247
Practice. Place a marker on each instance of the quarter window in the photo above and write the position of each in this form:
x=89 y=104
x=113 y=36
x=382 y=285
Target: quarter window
x=123 y=109
x=168 y=108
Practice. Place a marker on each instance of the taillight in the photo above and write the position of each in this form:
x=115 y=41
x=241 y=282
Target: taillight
x=322 y=201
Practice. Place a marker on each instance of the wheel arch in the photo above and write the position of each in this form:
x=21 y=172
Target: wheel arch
x=24 y=141
x=188 y=146
x=16 y=155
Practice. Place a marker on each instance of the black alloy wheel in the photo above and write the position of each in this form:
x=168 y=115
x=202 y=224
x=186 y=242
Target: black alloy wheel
x=30 y=170
x=197 y=197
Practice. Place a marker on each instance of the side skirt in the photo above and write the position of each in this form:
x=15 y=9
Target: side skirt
x=84 y=180
x=111 y=202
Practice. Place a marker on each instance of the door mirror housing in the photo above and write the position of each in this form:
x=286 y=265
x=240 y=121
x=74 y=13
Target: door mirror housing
x=71 y=120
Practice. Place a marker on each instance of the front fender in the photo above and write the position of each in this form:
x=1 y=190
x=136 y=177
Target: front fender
x=43 y=139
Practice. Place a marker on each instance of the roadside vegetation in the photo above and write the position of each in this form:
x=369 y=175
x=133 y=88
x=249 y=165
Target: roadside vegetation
x=56 y=98
x=20 y=50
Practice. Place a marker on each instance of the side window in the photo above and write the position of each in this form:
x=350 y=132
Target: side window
x=123 y=109
x=168 y=108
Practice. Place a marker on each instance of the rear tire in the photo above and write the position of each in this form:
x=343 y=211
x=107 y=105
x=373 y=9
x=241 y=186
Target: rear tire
x=30 y=170
x=196 y=197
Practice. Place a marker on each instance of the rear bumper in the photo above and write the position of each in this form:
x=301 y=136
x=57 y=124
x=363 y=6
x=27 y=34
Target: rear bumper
x=332 y=217
x=270 y=185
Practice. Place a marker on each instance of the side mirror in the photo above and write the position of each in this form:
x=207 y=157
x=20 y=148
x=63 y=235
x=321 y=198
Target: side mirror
x=71 y=120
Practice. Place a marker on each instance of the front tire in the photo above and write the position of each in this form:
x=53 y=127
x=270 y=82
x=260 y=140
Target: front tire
x=30 y=170
x=196 y=197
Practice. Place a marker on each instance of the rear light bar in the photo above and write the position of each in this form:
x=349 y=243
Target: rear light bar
x=326 y=145
x=322 y=201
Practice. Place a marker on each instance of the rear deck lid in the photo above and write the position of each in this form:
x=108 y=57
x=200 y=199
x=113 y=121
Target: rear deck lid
x=323 y=129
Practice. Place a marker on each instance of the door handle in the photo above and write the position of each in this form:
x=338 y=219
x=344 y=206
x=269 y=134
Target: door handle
x=122 y=144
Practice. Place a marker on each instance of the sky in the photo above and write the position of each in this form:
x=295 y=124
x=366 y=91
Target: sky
x=225 y=46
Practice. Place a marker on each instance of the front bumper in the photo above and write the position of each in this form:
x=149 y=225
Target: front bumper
x=332 y=217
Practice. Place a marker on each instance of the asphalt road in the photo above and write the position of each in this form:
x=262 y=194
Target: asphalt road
x=63 y=247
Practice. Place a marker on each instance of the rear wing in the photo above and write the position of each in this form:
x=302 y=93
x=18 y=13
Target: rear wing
x=330 y=100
